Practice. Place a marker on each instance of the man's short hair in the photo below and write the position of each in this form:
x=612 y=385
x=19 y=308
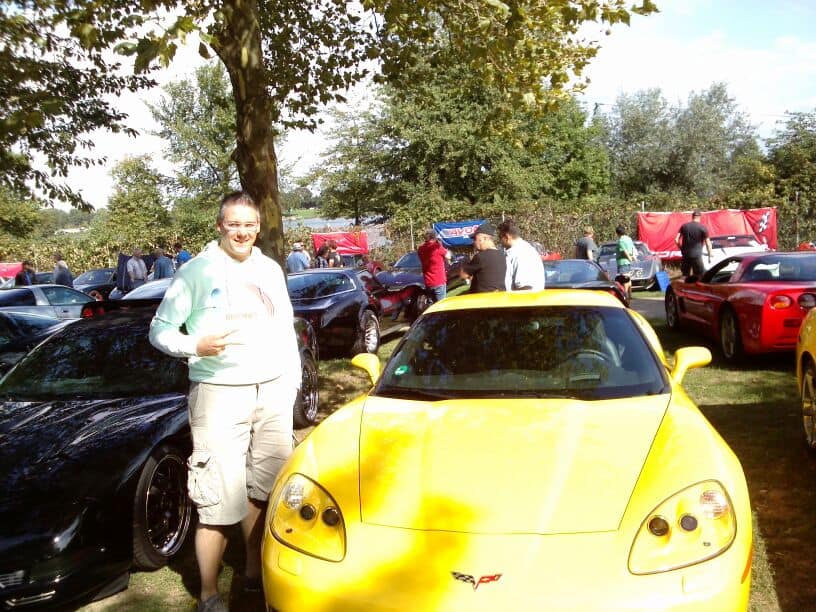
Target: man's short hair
x=297 y=246
x=696 y=213
x=620 y=230
x=27 y=262
x=509 y=228
x=332 y=244
x=237 y=198
x=588 y=231
x=430 y=234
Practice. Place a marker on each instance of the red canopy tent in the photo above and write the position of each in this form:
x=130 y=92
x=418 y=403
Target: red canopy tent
x=348 y=243
x=658 y=229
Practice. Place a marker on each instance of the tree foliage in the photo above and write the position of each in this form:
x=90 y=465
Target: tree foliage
x=285 y=58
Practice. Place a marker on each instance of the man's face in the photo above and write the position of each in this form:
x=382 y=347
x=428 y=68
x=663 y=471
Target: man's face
x=137 y=253
x=481 y=242
x=238 y=230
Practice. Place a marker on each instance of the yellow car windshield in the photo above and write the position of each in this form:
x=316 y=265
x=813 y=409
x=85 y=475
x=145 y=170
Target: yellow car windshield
x=548 y=351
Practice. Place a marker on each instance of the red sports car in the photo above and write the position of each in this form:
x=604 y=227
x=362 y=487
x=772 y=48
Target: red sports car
x=751 y=303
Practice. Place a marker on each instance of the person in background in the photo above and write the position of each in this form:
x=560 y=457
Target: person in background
x=433 y=257
x=26 y=274
x=62 y=273
x=585 y=246
x=298 y=259
x=136 y=269
x=162 y=264
x=182 y=255
x=244 y=372
x=488 y=267
x=322 y=256
x=625 y=254
x=690 y=239
x=335 y=261
x=524 y=268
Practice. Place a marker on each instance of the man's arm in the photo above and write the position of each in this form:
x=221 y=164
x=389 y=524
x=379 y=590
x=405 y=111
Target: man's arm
x=677 y=240
x=708 y=247
x=173 y=311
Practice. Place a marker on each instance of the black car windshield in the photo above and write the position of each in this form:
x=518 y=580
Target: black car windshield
x=578 y=352
x=317 y=284
x=92 y=277
x=568 y=272
x=727 y=242
x=607 y=250
x=102 y=358
x=409 y=260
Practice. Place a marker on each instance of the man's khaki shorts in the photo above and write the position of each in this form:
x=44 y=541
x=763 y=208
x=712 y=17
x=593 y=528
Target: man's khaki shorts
x=242 y=435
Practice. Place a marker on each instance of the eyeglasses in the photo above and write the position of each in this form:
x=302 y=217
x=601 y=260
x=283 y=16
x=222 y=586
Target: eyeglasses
x=247 y=228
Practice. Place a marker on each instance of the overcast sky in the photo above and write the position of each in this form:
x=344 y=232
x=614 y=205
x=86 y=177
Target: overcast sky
x=765 y=51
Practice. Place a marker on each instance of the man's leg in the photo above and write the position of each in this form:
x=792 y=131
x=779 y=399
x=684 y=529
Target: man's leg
x=210 y=543
x=440 y=292
x=252 y=527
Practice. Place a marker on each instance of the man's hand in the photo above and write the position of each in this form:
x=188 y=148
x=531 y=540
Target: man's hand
x=210 y=346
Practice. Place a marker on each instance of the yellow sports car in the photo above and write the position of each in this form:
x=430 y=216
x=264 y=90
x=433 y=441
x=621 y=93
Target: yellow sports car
x=519 y=451
x=806 y=375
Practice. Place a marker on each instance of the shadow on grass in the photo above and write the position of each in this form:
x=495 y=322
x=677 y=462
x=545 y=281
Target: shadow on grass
x=781 y=475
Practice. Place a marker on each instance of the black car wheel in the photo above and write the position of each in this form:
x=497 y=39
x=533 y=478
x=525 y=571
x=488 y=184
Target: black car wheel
x=306 y=404
x=368 y=334
x=672 y=310
x=418 y=306
x=809 y=404
x=162 y=511
x=730 y=339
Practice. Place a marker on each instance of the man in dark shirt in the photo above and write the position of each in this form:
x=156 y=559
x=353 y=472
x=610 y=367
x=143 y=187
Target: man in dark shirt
x=585 y=246
x=690 y=239
x=488 y=266
x=26 y=275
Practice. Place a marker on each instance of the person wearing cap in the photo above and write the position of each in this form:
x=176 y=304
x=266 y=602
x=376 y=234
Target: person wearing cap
x=488 y=267
x=690 y=239
x=433 y=256
x=298 y=260
x=524 y=268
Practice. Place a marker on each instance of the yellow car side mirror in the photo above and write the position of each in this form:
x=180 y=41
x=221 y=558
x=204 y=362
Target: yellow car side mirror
x=687 y=358
x=368 y=362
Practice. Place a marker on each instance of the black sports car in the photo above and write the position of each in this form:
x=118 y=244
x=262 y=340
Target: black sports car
x=102 y=280
x=580 y=274
x=93 y=447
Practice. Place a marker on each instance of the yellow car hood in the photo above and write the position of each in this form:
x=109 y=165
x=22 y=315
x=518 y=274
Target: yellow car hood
x=503 y=466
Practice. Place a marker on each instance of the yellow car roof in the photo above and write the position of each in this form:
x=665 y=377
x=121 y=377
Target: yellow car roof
x=517 y=299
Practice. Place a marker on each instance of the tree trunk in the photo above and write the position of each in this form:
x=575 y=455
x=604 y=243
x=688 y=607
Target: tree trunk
x=238 y=45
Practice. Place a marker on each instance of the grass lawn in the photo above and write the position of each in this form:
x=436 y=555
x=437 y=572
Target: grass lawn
x=755 y=409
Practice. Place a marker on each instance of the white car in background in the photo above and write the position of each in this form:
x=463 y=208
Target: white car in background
x=735 y=244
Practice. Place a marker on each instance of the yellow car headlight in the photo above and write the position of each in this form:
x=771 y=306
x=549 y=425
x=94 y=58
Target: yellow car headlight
x=306 y=518
x=692 y=526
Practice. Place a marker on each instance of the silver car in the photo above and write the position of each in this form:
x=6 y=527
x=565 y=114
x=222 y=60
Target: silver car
x=55 y=301
x=644 y=268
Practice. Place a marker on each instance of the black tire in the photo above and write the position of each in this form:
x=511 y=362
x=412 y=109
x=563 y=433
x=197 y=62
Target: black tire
x=418 y=306
x=730 y=338
x=672 y=310
x=808 y=399
x=162 y=511
x=306 y=404
x=368 y=334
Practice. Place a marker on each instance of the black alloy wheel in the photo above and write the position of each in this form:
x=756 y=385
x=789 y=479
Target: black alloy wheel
x=306 y=404
x=672 y=310
x=730 y=339
x=162 y=510
x=808 y=395
x=368 y=334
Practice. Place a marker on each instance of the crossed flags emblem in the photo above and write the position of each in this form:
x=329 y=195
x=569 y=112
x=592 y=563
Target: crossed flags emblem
x=473 y=581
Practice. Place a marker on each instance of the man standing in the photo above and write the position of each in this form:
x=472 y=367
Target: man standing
x=26 y=275
x=433 y=257
x=524 y=268
x=690 y=239
x=298 y=260
x=625 y=254
x=487 y=268
x=162 y=265
x=334 y=259
x=182 y=255
x=136 y=269
x=585 y=246
x=62 y=274
x=244 y=372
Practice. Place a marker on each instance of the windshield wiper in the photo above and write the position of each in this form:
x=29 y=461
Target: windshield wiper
x=411 y=393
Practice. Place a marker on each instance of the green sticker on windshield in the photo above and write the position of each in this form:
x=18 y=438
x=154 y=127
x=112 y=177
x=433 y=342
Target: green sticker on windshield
x=401 y=370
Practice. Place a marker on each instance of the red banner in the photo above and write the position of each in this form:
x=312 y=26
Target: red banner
x=658 y=229
x=7 y=270
x=348 y=243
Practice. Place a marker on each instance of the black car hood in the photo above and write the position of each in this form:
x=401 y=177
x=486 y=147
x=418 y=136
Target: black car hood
x=57 y=457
